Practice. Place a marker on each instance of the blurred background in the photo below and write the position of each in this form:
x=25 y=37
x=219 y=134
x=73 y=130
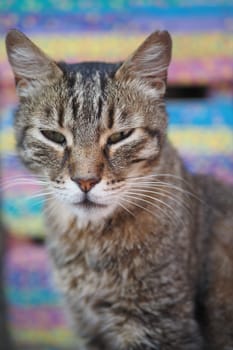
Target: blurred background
x=199 y=103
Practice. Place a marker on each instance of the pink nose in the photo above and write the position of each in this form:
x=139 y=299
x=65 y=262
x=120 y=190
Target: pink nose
x=86 y=184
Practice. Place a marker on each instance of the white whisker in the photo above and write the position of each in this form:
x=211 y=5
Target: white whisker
x=49 y=211
x=21 y=182
x=126 y=209
x=140 y=198
x=138 y=205
x=165 y=193
x=151 y=176
x=159 y=184
x=158 y=175
x=41 y=195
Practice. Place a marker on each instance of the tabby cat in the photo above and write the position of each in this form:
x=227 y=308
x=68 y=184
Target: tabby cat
x=141 y=249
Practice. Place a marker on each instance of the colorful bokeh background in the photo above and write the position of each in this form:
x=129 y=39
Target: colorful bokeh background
x=200 y=109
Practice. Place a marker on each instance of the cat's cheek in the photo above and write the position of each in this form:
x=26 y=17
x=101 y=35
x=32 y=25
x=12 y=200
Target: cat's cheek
x=148 y=154
x=35 y=154
x=64 y=190
x=27 y=157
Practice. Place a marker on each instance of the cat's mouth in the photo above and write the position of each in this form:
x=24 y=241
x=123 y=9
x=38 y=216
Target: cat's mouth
x=88 y=204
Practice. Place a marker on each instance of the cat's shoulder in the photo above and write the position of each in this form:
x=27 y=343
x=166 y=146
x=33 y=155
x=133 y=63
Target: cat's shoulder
x=217 y=195
x=216 y=217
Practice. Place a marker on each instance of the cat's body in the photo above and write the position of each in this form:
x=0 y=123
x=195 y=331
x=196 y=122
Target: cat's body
x=142 y=249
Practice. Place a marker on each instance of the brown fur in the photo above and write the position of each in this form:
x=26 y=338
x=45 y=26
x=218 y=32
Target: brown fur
x=149 y=265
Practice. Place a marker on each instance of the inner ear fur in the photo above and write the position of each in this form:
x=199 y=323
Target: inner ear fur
x=149 y=63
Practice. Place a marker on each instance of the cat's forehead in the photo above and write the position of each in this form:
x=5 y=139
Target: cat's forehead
x=82 y=96
x=87 y=82
x=87 y=86
x=89 y=75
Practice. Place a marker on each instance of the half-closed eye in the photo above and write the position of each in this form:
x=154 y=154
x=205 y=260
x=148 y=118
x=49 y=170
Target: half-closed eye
x=119 y=136
x=54 y=136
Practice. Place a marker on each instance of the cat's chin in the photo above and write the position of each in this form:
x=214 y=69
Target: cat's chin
x=89 y=205
x=90 y=212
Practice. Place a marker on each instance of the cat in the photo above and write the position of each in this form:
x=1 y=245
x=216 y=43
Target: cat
x=141 y=248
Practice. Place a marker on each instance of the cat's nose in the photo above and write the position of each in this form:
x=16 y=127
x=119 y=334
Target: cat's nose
x=86 y=184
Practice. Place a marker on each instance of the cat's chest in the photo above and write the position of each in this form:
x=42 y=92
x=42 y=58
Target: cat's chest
x=92 y=287
x=102 y=280
x=105 y=270
x=89 y=275
x=84 y=270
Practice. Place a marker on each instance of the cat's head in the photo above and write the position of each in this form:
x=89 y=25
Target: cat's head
x=91 y=129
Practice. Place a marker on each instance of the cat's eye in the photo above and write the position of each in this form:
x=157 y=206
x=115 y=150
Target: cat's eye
x=119 y=136
x=54 y=136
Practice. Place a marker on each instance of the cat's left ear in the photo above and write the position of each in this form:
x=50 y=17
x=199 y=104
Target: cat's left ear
x=32 y=68
x=148 y=65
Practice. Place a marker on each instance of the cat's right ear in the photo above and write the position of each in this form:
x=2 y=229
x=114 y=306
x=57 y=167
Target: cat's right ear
x=32 y=68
